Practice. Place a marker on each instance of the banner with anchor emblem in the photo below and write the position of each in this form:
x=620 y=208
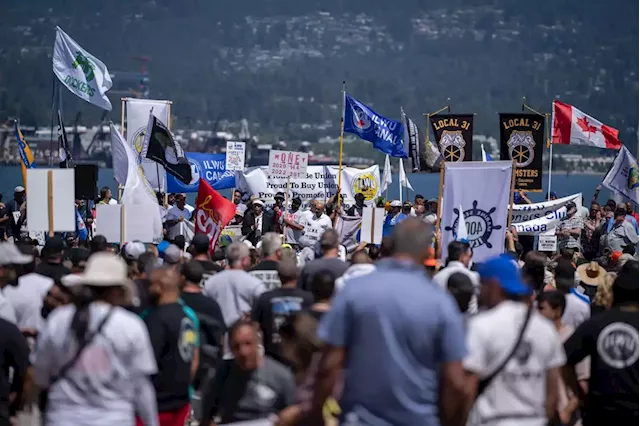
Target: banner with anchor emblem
x=478 y=191
x=454 y=134
x=522 y=139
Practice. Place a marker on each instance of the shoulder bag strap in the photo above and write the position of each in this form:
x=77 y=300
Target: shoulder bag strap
x=65 y=368
x=484 y=383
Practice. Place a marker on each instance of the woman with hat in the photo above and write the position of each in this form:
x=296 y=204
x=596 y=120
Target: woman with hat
x=93 y=357
x=591 y=275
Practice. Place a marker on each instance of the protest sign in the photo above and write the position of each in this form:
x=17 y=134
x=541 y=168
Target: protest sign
x=538 y=218
x=123 y=223
x=320 y=182
x=51 y=205
x=371 y=227
x=235 y=156
x=210 y=167
x=547 y=243
x=233 y=231
x=287 y=163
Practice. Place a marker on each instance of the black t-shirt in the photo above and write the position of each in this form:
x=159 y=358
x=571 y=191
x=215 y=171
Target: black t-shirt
x=272 y=309
x=267 y=272
x=212 y=328
x=210 y=268
x=611 y=340
x=174 y=334
x=14 y=354
x=55 y=271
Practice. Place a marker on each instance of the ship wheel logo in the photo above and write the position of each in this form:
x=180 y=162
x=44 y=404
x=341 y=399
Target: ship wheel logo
x=479 y=225
x=521 y=145
x=452 y=144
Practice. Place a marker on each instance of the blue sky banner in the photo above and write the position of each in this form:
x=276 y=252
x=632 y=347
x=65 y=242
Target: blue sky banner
x=385 y=134
x=210 y=167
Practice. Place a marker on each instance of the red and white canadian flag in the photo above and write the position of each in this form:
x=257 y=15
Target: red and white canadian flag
x=573 y=127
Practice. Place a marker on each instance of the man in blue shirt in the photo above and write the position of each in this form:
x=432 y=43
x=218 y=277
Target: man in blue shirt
x=394 y=217
x=399 y=341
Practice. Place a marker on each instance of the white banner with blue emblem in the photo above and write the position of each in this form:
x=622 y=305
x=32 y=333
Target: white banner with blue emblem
x=481 y=190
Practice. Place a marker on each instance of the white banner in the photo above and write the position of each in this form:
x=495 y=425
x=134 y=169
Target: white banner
x=287 y=163
x=482 y=190
x=320 y=182
x=538 y=218
x=137 y=120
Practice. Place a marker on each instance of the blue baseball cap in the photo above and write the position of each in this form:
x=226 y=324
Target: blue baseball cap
x=505 y=270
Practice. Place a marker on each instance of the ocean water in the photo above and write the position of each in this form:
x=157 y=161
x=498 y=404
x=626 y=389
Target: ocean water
x=425 y=184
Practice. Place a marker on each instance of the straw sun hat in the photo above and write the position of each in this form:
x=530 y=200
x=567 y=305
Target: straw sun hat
x=591 y=273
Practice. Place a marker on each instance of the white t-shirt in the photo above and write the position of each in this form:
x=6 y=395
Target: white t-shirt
x=315 y=226
x=299 y=217
x=27 y=297
x=101 y=388
x=175 y=213
x=517 y=395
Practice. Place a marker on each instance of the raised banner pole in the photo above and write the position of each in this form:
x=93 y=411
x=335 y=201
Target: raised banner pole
x=166 y=194
x=428 y=115
x=549 y=144
x=440 y=190
x=344 y=100
x=50 y=200
x=373 y=223
x=511 y=194
x=123 y=102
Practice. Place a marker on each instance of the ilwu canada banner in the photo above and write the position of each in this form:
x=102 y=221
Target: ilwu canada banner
x=454 y=136
x=522 y=139
x=622 y=178
x=83 y=74
x=137 y=120
x=482 y=190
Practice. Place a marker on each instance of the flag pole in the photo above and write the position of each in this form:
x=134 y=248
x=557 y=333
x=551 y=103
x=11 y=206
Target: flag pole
x=440 y=190
x=344 y=100
x=123 y=102
x=511 y=193
x=166 y=195
x=399 y=179
x=428 y=115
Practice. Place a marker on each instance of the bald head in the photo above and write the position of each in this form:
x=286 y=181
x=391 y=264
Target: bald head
x=163 y=285
x=412 y=238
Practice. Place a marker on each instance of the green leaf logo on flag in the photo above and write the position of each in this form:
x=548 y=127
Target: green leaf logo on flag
x=86 y=65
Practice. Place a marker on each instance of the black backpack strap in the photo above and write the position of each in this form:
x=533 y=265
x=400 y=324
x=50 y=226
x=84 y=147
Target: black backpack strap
x=65 y=368
x=484 y=383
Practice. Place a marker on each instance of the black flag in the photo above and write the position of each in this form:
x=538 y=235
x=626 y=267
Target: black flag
x=522 y=139
x=162 y=148
x=454 y=135
x=423 y=158
x=66 y=162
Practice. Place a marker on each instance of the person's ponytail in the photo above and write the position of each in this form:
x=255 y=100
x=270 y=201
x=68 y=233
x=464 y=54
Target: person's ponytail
x=80 y=321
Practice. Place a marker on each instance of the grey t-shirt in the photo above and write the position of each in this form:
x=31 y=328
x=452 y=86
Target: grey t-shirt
x=333 y=265
x=238 y=395
x=235 y=291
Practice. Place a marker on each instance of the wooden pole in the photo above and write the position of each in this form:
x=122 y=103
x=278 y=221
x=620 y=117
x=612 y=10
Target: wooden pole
x=344 y=100
x=511 y=194
x=373 y=224
x=50 y=200
x=440 y=190
x=122 y=130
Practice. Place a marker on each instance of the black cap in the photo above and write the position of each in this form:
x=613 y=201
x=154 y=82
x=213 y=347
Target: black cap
x=279 y=195
x=54 y=245
x=200 y=243
x=193 y=271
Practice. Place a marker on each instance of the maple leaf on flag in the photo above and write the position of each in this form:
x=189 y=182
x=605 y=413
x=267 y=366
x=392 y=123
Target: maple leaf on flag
x=585 y=126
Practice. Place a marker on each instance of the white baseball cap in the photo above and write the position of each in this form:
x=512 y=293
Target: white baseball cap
x=395 y=203
x=10 y=255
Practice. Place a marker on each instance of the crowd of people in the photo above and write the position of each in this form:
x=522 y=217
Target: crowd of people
x=288 y=325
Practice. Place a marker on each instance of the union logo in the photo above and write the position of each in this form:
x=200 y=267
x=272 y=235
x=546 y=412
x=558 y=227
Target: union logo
x=138 y=139
x=452 y=144
x=85 y=64
x=521 y=145
x=479 y=225
x=360 y=119
x=632 y=180
x=195 y=171
x=367 y=184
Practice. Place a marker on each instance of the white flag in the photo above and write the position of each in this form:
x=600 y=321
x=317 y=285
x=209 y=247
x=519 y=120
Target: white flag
x=477 y=193
x=386 y=175
x=82 y=73
x=137 y=189
x=622 y=178
x=119 y=156
x=461 y=229
x=404 y=181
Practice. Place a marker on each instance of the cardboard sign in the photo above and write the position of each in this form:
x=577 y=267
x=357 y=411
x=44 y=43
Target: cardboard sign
x=137 y=226
x=287 y=163
x=235 y=156
x=51 y=205
x=233 y=231
x=371 y=226
x=547 y=243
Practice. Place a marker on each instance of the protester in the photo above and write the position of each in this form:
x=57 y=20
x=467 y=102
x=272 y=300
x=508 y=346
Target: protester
x=273 y=307
x=257 y=222
x=51 y=265
x=104 y=377
x=621 y=232
x=329 y=245
x=174 y=330
x=278 y=211
x=4 y=220
x=570 y=229
x=106 y=196
x=361 y=264
x=515 y=354
x=11 y=261
x=176 y=215
x=322 y=291
x=577 y=308
x=534 y=271
x=14 y=358
x=267 y=269
x=611 y=340
x=604 y=295
x=357 y=208
x=199 y=247
x=98 y=244
x=458 y=260
x=252 y=386
x=398 y=368
x=316 y=223
x=431 y=215
x=15 y=208
x=462 y=290
x=394 y=217
x=293 y=222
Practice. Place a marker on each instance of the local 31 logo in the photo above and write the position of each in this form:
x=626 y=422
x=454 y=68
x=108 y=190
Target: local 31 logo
x=479 y=225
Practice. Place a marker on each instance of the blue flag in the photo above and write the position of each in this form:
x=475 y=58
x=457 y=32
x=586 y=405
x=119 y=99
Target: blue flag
x=210 y=167
x=81 y=228
x=385 y=134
